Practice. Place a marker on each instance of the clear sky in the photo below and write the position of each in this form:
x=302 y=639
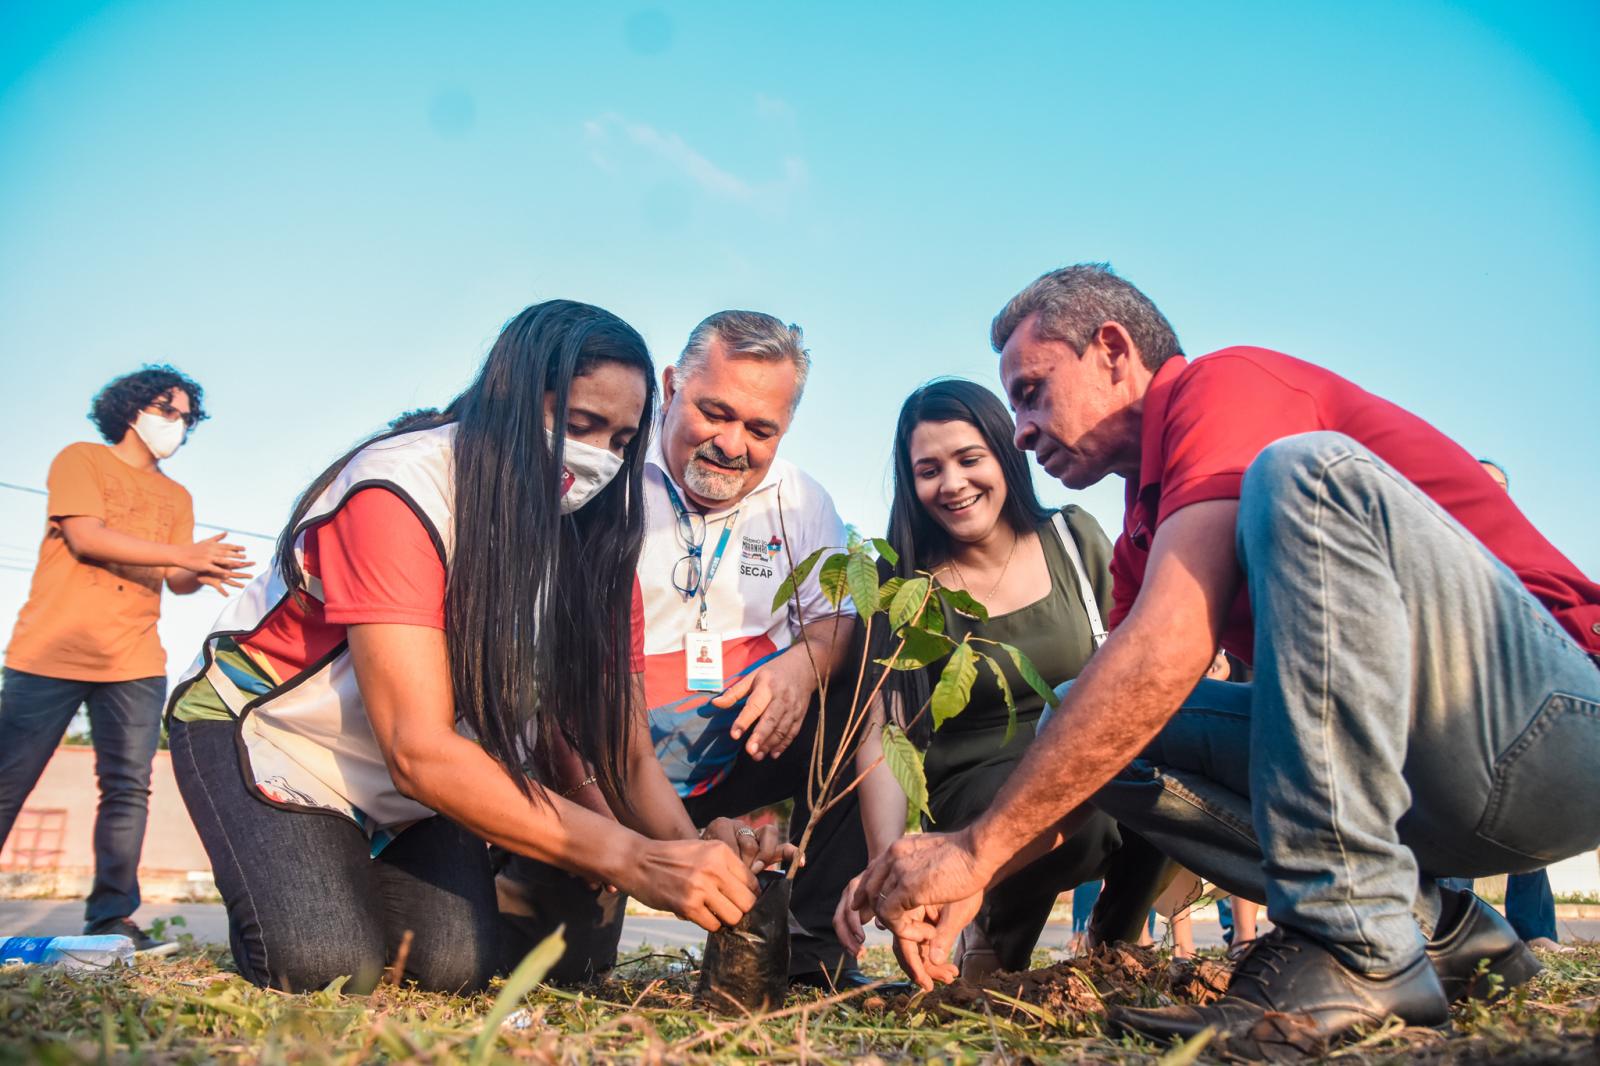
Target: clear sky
x=326 y=211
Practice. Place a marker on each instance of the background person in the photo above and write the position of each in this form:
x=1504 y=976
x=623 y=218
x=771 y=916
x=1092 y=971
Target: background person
x=965 y=510
x=444 y=632
x=118 y=529
x=1306 y=525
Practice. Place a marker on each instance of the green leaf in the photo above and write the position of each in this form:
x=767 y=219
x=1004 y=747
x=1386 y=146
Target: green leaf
x=886 y=550
x=921 y=649
x=887 y=590
x=796 y=577
x=905 y=763
x=908 y=602
x=932 y=617
x=954 y=689
x=861 y=573
x=1005 y=690
x=529 y=972
x=1030 y=674
x=831 y=577
x=961 y=600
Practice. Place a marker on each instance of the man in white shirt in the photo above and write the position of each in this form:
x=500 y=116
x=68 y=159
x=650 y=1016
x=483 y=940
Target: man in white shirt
x=732 y=715
x=731 y=694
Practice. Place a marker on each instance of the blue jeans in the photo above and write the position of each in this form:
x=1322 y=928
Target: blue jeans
x=125 y=724
x=1531 y=906
x=1415 y=713
x=308 y=904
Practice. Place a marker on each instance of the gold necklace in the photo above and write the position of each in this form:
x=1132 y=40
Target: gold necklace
x=1006 y=566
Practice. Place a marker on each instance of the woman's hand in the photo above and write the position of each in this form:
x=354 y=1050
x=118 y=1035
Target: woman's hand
x=756 y=848
x=847 y=920
x=702 y=881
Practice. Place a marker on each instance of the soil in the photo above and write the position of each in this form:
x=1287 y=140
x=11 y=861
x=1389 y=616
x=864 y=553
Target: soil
x=1120 y=973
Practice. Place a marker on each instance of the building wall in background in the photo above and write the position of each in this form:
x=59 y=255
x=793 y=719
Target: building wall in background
x=171 y=846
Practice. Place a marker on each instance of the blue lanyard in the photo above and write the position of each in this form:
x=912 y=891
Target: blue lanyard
x=715 y=562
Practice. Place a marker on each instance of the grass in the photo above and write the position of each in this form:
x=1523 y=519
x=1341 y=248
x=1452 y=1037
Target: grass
x=193 y=1008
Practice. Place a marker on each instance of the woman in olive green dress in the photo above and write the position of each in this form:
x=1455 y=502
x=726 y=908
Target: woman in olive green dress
x=965 y=510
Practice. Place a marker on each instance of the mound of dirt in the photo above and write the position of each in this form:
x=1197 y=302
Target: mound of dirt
x=1120 y=973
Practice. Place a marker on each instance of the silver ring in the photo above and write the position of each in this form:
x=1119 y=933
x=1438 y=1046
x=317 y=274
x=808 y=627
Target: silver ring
x=883 y=897
x=745 y=831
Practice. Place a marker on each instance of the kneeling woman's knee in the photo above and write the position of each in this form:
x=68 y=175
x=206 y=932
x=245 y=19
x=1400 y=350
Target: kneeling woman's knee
x=465 y=968
x=309 y=964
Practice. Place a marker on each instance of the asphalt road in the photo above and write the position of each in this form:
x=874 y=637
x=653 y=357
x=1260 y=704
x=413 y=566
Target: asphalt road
x=208 y=923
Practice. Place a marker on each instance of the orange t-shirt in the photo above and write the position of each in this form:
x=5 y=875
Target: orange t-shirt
x=91 y=621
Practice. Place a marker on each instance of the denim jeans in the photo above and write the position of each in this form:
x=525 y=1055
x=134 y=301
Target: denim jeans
x=125 y=724
x=308 y=904
x=1531 y=906
x=1415 y=713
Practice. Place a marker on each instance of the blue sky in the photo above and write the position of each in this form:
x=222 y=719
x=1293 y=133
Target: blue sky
x=326 y=211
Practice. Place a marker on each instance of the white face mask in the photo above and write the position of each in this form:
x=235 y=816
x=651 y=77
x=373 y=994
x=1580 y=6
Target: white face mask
x=588 y=470
x=162 y=436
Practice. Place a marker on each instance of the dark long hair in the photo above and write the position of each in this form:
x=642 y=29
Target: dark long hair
x=537 y=605
x=922 y=543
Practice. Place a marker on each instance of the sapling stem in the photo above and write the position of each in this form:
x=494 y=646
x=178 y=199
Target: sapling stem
x=823 y=773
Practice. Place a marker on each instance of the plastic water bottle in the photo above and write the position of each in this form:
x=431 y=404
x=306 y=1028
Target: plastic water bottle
x=68 y=952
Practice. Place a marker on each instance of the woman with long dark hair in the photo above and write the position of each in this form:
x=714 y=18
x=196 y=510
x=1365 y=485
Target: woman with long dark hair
x=442 y=644
x=965 y=511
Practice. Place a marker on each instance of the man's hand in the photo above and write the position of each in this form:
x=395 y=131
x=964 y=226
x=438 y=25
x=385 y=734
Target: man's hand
x=776 y=696
x=918 y=871
x=756 y=848
x=925 y=889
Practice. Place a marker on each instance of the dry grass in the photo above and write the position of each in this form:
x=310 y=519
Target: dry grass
x=193 y=1008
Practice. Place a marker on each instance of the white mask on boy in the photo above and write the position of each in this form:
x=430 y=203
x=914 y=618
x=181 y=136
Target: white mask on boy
x=588 y=470
x=162 y=436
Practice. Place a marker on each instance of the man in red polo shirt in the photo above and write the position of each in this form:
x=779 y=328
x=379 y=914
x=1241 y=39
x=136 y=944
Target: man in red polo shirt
x=1425 y=701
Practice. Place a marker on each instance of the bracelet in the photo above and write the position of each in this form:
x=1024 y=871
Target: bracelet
x=579 y=787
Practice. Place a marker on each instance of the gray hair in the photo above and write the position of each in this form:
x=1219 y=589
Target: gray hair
x=1074 y=302
x=749 y=335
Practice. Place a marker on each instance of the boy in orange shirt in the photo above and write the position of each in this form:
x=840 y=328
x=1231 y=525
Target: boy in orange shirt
x=117 y=529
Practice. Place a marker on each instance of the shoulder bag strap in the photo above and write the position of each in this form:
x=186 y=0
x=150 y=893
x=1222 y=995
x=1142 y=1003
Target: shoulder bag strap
x=1085 y=589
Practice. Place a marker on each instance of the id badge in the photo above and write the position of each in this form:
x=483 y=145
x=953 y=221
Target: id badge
x=703 y=654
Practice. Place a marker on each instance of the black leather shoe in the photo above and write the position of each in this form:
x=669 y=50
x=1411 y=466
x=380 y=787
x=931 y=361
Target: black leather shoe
x=1289 y=994
x=1478 y=933
x=849 y=979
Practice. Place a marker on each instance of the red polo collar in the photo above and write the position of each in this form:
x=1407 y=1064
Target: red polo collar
x=1142 y=499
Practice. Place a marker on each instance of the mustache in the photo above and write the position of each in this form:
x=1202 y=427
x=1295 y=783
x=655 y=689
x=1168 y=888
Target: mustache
x=709 y=450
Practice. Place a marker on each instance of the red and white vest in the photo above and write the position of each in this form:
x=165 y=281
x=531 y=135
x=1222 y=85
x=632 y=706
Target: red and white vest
x=307 y=742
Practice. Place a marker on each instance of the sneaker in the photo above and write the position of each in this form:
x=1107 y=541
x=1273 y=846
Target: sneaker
x=1544 y=943
x=145 y=946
